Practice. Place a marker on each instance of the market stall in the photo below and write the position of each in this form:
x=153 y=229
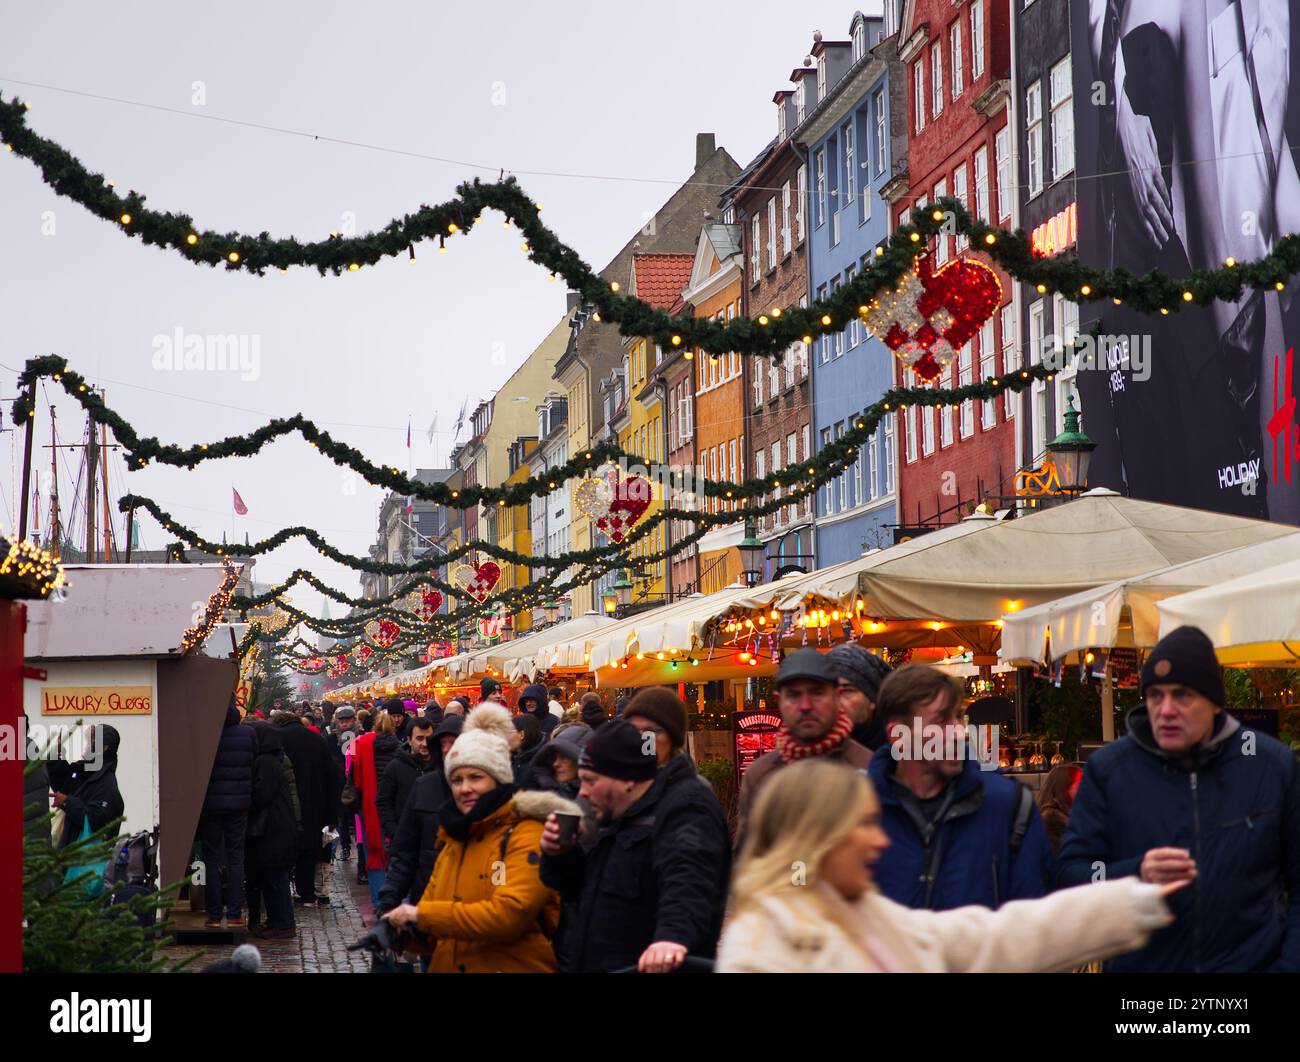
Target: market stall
x=123 y=648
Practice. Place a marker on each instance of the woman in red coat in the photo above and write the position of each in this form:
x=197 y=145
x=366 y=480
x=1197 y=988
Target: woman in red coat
x=371 y=754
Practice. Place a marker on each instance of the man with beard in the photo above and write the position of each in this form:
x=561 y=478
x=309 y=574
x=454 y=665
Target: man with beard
x=653 y=887
x=958 y=835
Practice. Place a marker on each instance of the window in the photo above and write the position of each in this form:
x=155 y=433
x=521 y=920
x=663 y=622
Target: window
x=918 y=93
x=803 y=347
x=909 y=428
x=976 y=40
x=851 y=330
x=889 y=454
x=982 y=183
x=1065 y=315
x=758 y=389
x=819 y=176
x=754 y=237
x=801 y=197
x=1034 y=137
x=734 y=468
x=1038 y=389
x=1010 y=361
x=791 y=460
x=776 y=467
x=846 y=137
x=771 y=233
x=964 y=377
x=1062 y=120
x=988 y=368
x=945 y=412
x=800 y=101
x=879 y=106
x=785 y=219
x=936 y=80
x=859 y=40
x=843 y=478
x=821 y=76
x=836 y=338
x=828 y=501
x=959 y=192
x=807 y=453
x=873 y=483
x=927 y=431
x=780 y=118
x=941 y=240
x=1002 y=159
x=760 y=470
x=789 y=361
x=823 y=342
x=954 y=44
x=773 y=377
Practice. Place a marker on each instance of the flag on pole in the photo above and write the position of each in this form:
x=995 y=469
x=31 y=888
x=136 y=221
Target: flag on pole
x=433 y=428
x=240 y=508
x=408 y=433
x=410 y=500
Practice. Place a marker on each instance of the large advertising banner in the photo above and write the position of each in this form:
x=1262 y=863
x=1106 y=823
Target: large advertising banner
x=1184 y=157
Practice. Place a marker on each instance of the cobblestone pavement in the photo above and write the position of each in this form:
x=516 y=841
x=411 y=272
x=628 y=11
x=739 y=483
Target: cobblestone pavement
x=323 y=933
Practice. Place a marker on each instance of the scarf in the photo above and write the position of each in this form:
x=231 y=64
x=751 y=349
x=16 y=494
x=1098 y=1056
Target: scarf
x=791 y=750
x=458 y=825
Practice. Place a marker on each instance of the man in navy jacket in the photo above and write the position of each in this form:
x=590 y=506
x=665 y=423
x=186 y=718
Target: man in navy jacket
x=958 y=834
x=1192 y=794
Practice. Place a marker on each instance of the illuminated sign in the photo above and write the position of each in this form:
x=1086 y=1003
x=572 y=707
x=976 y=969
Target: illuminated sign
x=1056 y=233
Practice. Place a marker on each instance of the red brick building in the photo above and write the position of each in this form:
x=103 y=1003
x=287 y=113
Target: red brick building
x=767 y=204
x=960 y=144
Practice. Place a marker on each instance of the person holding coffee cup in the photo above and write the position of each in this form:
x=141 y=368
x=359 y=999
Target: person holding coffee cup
x=651 y=889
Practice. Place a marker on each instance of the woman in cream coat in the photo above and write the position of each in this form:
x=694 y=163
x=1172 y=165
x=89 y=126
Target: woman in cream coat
x=803 y=900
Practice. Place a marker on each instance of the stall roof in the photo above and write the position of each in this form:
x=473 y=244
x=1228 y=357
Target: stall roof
x=1094 y=618
x=1253 y=620
x=1097 y=538
x=120 y=610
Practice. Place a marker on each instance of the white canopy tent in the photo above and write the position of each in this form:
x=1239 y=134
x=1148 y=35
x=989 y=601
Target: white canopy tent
x=1253 y=621
x=1124 y=612
x=515 y=660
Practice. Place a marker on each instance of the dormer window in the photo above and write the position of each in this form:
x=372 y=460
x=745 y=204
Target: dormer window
x=800 y=101
x=780 y=119
x=859 y=40
x=821 y=76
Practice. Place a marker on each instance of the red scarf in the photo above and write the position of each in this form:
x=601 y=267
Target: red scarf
x=791 y=750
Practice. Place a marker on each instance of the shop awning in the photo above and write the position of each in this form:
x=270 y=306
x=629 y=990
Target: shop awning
x=1124 y=612
x=1253 y=621
x=1098 y=538
x=517 y=660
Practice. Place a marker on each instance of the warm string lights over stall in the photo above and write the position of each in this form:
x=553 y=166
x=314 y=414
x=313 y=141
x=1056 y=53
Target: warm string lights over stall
x=213 y=612
x=27 y=570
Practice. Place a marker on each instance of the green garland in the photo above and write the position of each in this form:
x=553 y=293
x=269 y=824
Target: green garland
x=769 y=336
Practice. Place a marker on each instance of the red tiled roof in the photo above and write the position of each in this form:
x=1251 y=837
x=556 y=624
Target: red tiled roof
x=661 y=277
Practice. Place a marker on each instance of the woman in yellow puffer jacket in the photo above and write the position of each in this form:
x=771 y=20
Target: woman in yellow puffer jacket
x=485 y=909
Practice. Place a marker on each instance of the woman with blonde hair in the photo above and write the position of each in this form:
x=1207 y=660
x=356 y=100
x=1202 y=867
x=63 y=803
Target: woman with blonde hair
x=803 y=899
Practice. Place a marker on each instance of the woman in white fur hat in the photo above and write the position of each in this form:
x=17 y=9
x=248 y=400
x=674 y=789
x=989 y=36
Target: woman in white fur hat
x=485 y=909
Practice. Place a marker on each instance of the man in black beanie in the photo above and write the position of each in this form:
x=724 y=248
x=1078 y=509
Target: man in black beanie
x=1192 y=795
x=653 y=887
x=858 y=675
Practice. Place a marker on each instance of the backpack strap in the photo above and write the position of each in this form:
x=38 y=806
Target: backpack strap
x=1020 y=823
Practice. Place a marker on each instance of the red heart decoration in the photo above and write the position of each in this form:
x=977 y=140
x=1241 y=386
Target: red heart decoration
x=429 y=604
x=967 y=289
x=632 y=497
x=486 y=576
x=930 y=315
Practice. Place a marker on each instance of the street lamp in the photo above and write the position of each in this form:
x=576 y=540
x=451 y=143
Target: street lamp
x=609 y=600
x=1071 y=452
x=551 y=609
x=623 y=589
x=752 y=553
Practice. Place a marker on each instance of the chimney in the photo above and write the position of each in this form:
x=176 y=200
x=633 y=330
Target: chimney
x=572 y=300
x=705 y=146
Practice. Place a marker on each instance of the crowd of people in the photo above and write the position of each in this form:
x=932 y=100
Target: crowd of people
x=544 y=838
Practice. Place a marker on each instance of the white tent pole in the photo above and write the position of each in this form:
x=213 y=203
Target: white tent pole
x=1107 y=707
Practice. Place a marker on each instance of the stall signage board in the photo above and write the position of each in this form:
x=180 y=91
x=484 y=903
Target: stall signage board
x=1125 y=668
x=754 y=733
x=97 y=700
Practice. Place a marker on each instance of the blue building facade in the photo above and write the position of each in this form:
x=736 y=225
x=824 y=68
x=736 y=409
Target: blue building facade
x=851 y=138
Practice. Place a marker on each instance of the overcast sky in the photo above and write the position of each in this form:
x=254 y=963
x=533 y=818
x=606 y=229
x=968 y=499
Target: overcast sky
x=613 y=91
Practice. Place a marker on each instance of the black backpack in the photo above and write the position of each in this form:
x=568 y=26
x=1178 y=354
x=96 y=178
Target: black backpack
x=135 y=862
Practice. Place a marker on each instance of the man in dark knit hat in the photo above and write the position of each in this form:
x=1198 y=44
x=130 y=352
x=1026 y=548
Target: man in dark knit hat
x=1193 y=795
x=653 y=887
x=858 y=675
x=661 y=712
x=812 y=724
